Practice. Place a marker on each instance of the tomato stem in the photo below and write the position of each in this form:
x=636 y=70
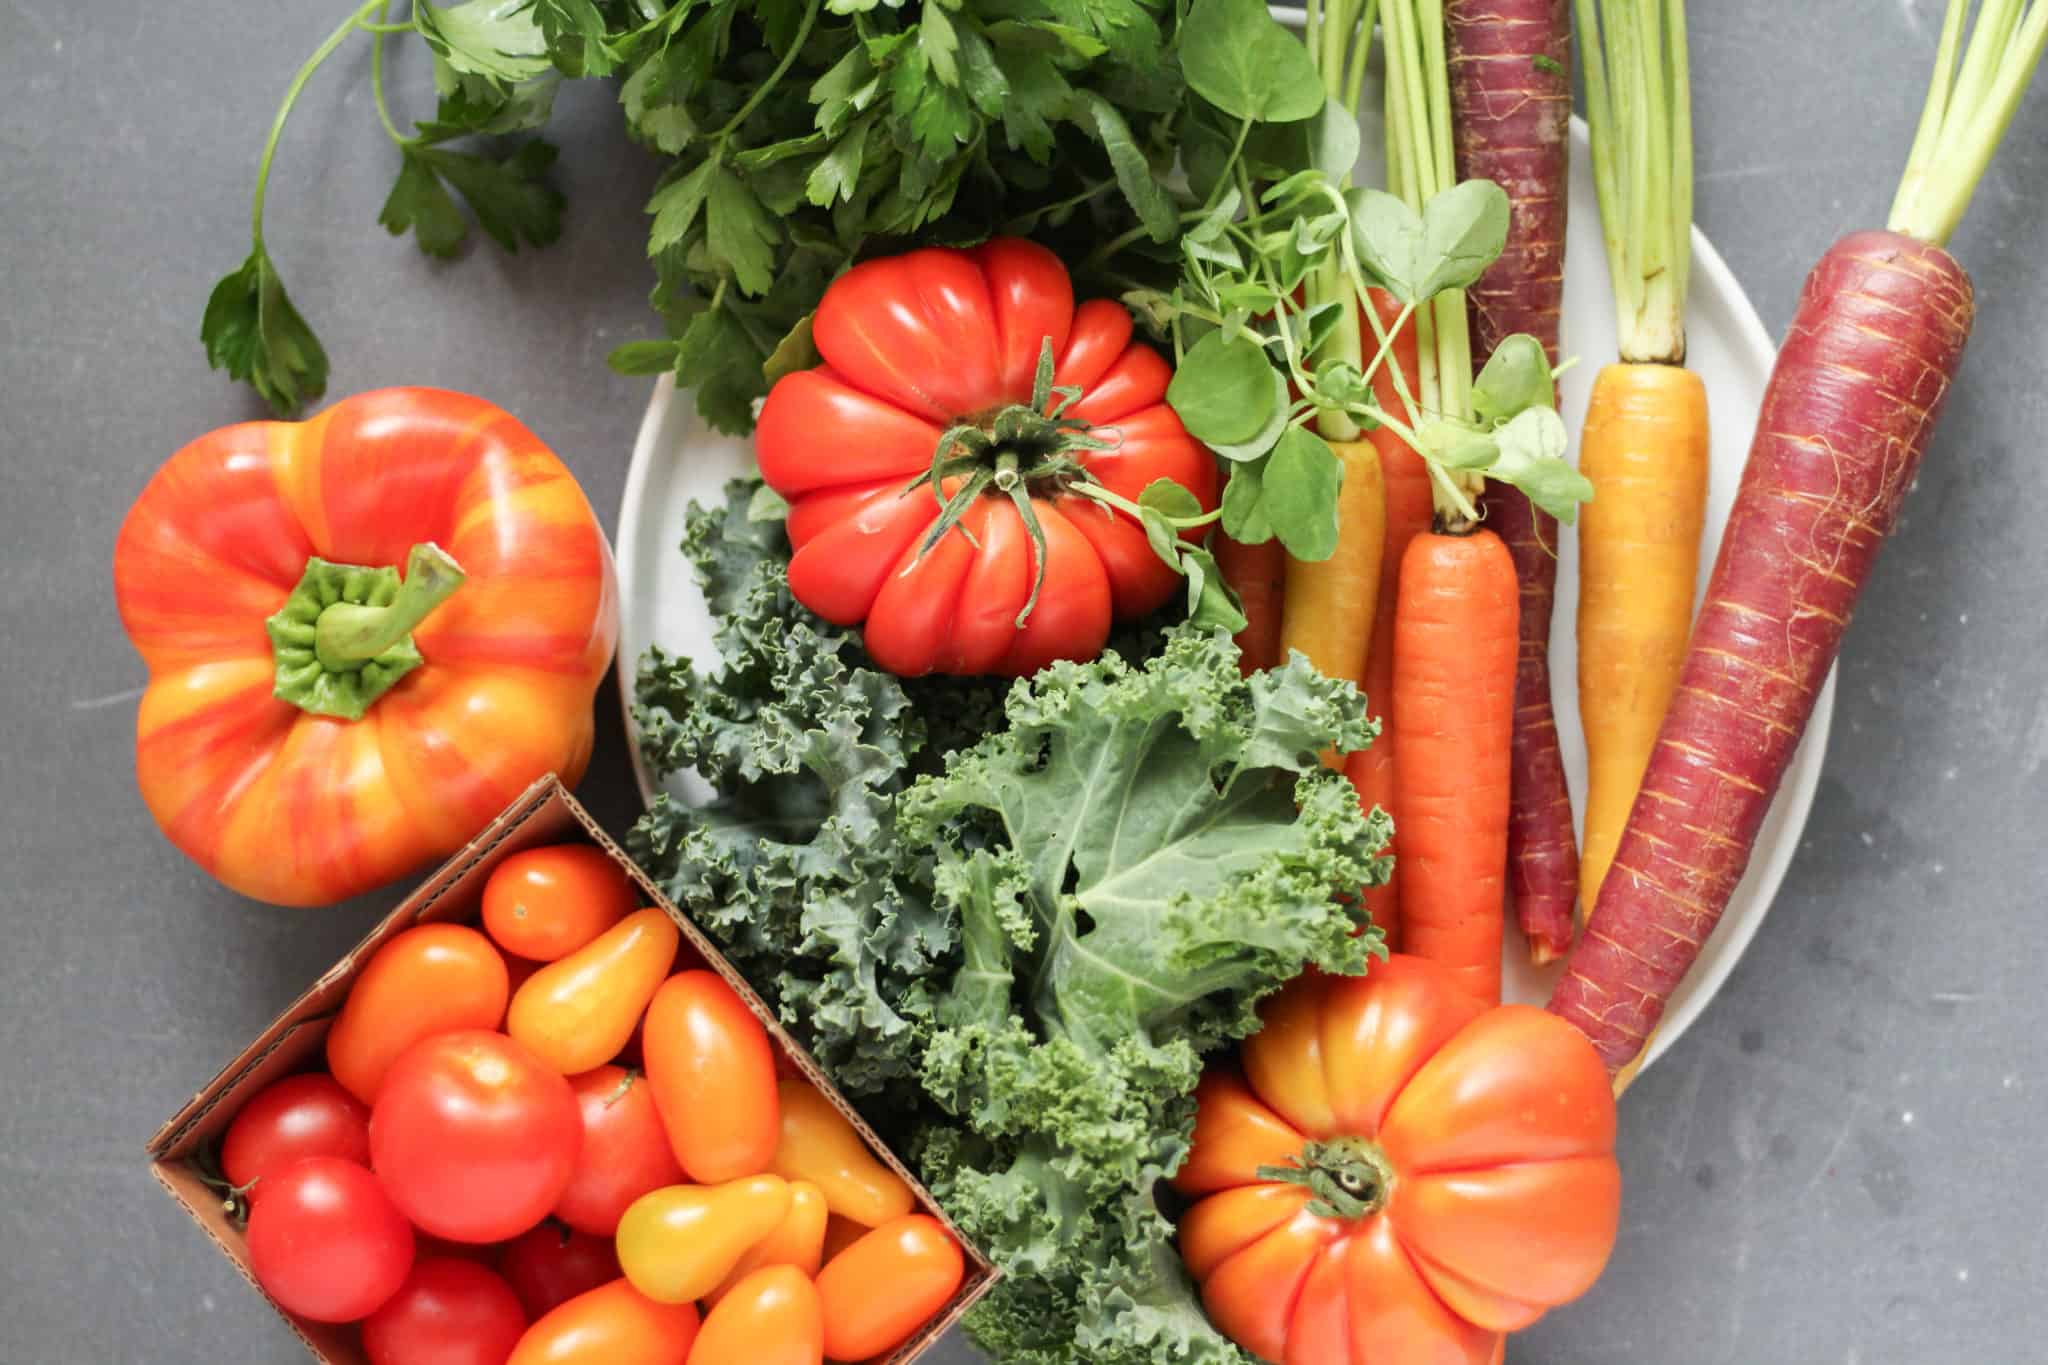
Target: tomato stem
x=1350 y=1177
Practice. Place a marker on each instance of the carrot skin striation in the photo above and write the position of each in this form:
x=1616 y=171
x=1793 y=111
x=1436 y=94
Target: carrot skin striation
x=1867 y=361
x=1511 y=102
x=1454 y=684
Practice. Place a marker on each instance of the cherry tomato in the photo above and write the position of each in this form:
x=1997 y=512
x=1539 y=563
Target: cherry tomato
x=449 y=1312
x=613 y=1324
x=546 y=903
x=296 y=1117
x=434 y=978
x=676 y=1244
x=625 y=1150
x=549 y=1265
x=772 y=1317
x=474 y=1136
x=819 y=1145
x=326 y=1242
x=798 y=1240
x=884 y=1287
x=576 y=1013
x=713 y=1075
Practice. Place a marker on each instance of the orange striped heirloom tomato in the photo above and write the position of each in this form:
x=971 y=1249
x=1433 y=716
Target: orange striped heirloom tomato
x=960 y=468
x=315 y=724
x=1398 y=1173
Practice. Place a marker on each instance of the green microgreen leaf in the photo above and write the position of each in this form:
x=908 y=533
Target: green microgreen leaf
x=1515 y=378
x=1134 y=174
x=1223 y=390
x=1463 y=231
x=1532 y=448
x=1244 y=504
x=1301 y=484
x=1266 y=436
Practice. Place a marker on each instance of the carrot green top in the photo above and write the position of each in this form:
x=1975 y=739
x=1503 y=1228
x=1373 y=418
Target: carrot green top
x=1639 y=107
x=1338 y=35
x=1976 y=89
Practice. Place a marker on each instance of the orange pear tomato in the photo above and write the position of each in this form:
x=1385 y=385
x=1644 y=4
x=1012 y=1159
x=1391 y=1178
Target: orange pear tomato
x=798 y=1240
x=880 y=1290
x=576 y=1013
x=712 y=1070
x=771 y=1317
x=819 y=1145
x=613 y=1324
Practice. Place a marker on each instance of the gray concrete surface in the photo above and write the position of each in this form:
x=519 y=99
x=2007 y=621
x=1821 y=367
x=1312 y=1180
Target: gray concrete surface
x=1839 y=1164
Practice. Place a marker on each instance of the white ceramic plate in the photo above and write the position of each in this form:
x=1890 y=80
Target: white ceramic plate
x=677 y=459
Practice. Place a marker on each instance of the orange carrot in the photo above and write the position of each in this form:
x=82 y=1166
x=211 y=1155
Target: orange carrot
x=1256 y=573
x=1455 y=630
x=1406 y=479
x=1327 y=609
x=1645 y=449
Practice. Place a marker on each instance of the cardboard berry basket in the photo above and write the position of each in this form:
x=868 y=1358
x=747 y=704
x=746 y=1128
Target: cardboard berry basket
x=544 y=814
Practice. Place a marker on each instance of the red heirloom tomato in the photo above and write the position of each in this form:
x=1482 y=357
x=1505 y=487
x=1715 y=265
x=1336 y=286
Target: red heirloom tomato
x=449 y=1312
x=1399 y=1173
x=942 y=348
x=327 y=1242
x=474 y=1136
x=299 y=1116
x=549 y=1265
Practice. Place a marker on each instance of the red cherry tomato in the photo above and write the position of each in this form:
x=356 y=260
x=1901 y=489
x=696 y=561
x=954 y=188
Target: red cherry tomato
x=299 y=1116
x=625 y=1151
x=449 y=1312
x=474 y=1136
x=550 y=1265
x=546 y=903
x=326 y=1242
x=712 y=1071
x=614 y=1324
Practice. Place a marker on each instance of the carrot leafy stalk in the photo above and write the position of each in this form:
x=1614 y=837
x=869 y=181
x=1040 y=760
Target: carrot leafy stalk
x=1866 y=365
x=1644 y=446
x=1511 y=95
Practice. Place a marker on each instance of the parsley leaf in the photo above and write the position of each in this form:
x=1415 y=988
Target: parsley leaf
x=740 y=232
x=498 y=40
x=252 y=331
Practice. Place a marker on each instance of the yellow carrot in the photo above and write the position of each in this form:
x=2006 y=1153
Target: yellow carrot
x=1327 y=608
x=1645 y=450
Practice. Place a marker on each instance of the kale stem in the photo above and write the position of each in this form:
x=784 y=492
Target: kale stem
x=291 y=96
x=766 y=87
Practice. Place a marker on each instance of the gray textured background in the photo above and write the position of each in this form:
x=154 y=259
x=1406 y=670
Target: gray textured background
x=1839 y=1164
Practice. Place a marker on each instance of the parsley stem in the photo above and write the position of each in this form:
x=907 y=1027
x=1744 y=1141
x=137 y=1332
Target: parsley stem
x=378 y=31
x=291 y=95
x=762 y=91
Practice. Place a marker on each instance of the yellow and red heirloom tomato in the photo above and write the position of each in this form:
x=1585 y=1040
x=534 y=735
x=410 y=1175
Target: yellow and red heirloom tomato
x=315 y=725
x=932 y=367
x=1399 y=1173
